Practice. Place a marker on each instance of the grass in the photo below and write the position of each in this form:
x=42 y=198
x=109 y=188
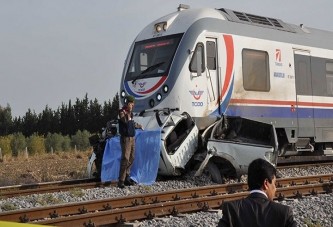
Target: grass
x=76 y=192
x=47 y=199
x=43 y=168
x=7 y=206
x=309 y=223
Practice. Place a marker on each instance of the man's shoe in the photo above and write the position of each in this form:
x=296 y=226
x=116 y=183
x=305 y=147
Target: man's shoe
x=129 y=181
x=121 y=184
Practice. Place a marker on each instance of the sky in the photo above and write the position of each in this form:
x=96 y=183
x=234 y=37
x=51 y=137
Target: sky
x=53 y=51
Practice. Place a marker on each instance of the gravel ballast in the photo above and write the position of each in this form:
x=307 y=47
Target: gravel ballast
x=308 y=211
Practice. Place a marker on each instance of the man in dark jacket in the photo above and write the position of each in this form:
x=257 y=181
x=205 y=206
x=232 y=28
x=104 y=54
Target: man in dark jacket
x=127 y=128
x=258 y=209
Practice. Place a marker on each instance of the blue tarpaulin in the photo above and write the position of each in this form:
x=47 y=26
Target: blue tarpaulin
x=146 y=161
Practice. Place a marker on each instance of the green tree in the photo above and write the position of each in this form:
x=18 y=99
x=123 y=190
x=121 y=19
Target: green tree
x=107 y=110
x=5 y=144
x=95 y=117
x=67 y=121
x=53 y=142
x=18 y=143
x=85 y=114
x=17 y=125
x=115 y=107
x=81 y=112
x=36 y=144
x=5 y=120
x=110 y=110
x=56 y=122
x=81 y=140
x=46 y=121
x=30 y=121
x=66 y=143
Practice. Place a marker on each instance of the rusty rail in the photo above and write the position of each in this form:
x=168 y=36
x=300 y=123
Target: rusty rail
x=150 y=205
x=49 y=187
x=148 y=211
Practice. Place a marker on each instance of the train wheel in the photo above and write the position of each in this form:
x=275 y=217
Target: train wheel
x=213 y=172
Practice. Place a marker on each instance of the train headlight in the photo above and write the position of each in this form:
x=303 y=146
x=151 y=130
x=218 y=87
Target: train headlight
x=158 y=28
x=123 y=94
x=165 y=88
x=151 y=103
x=159 y=97
x=162 y=26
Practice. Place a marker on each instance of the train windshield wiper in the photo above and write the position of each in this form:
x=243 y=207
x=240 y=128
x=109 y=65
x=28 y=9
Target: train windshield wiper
x=149 y=69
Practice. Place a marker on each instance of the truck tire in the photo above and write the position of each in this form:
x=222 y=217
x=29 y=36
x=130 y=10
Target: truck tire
x=91 y=167
x=213 y=171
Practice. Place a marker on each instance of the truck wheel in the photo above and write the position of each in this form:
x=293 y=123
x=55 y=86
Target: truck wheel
x=214 y=173
x=91 y=167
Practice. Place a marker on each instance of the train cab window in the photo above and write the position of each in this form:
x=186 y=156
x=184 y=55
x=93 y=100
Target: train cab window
x=152 y=57
x=255 y=70
x=198 y=60
x=211 y=55
x=329 y=77
x=144 y=61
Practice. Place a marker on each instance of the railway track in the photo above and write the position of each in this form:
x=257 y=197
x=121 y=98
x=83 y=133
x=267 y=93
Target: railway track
x=49 y=187
x=303 y=165
x=57 y=186
x=298 y=160
x=145 y=206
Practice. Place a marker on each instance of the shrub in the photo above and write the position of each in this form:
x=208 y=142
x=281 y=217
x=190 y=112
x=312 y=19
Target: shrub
x=7 y=206
x=53 y=142
x=18 y=143
x=36 y=144
x=5 y=145
x=81 y=140
x=66 y=143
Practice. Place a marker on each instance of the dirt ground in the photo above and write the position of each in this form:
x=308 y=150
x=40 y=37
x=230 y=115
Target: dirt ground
x=43 y=168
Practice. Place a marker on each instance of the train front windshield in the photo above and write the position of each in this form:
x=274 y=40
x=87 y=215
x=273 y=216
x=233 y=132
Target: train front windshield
x=153 y=57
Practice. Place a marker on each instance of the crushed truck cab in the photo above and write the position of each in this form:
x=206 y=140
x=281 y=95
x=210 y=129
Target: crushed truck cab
x=234 y=142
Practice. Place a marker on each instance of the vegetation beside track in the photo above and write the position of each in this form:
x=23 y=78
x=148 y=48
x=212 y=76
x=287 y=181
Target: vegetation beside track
x=43 y=167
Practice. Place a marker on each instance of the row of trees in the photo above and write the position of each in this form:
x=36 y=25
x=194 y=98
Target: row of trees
x=82 y=115
x=67 y=128
x=17 y=143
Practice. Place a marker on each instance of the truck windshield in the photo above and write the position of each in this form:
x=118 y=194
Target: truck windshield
x=153 y=57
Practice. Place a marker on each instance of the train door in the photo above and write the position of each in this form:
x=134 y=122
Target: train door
x=304 y=94
x=212 y=73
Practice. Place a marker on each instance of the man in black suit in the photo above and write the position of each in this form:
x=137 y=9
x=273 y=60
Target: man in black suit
x=258 y=209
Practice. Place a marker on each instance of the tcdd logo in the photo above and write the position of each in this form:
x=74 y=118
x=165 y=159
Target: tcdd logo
x=197 y=103
x=196 y=94
x=278 y=55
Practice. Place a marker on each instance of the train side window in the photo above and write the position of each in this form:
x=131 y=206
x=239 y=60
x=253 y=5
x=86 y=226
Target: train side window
x=198 y=60
x=329 y=77
x=255 y=65
x=211 y=55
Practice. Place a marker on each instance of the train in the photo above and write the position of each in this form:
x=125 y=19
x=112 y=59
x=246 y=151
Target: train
x=250 y=86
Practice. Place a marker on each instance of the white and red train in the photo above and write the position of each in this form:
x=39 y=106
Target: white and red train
x=217 y=64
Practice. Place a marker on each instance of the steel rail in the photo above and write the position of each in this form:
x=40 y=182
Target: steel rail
x=149 y=211
x=298 y=165
x=49 y=187
x=284 y=182
x=118 y=202
x=26 y=215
